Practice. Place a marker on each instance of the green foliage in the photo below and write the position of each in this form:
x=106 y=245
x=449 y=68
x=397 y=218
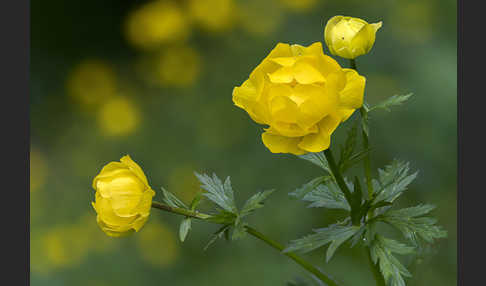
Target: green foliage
x=394 y=100
x=381 y=251
x=318 y=159
x=326 y=195
x=301 y=192
x=392 y=181
x=218 y=234
x=184 y=228
x=218 y=192
x=413 y=224
x=172 y=200
x=335 y=234
x=255 y=202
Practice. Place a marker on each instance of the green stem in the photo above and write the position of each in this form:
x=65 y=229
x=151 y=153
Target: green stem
x=309 y=267
x=380 y=281
x=366 y=160
x=306 y=265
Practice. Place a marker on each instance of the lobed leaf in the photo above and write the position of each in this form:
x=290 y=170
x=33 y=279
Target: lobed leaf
x=218 y=192
x=327 y=195
x=255 y=202
x=394 y=100
x=393 y=181
x=318 y=159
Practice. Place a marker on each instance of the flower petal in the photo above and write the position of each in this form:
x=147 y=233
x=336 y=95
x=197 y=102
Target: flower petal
x=281 y=144
x=322 y=140
x=352 y=95
x=134 y=167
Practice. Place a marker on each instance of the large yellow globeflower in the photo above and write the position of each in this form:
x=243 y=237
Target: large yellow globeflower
x=123 y=197
x=302 y=95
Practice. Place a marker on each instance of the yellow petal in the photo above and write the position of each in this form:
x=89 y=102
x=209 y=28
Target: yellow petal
x=246 y=97
x=134 y=167
x=352 y=94
x=281 y=144
x=109 y=170
x=331 y=23
x=322 y=140
x=126 y=184
x=317 y=102
x=285 y=61
x=282 y=75
x=305 y=72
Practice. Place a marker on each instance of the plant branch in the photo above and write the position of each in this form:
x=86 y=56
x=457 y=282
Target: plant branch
x=306 y=265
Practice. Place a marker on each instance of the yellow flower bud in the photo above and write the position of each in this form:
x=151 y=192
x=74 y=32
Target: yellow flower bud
x=302 y=95
x=350 y=37
x=123 y=197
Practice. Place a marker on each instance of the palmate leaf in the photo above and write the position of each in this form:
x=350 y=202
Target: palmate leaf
x=413 y=224
x=327 y=195
x=335 y=234
x=393 y=181
x=318 y=159
x=381 y=251
x=394 y=100
x=255 y=202
x=218 y=192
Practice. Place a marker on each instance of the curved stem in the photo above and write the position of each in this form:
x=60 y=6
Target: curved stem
x=309 y=267
x=306 y=265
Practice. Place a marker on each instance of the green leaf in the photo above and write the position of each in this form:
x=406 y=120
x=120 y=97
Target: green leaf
x=195 y=201
x=354 y=159
x=335 y=234
x=393 y=181
x=172 y=200
x=184 y=228
x=239 y=230
x=218 y=234
x=382 y=250
x=255 y=202
x=308 y=187
x=318 y=159
x=413 y=224
x=223 y=217
x=394 y=100
x=218 y=192
x=328 y=196
x=349 y=146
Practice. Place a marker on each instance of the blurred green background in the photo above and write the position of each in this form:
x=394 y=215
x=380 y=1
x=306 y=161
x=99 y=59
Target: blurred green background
x=154 y=79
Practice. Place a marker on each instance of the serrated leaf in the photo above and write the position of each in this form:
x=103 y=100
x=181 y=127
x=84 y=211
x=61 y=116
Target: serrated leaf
x=335 y=234
x=354 y=159
x=172 y=200
x=223 y=217
x=381 y=251
x=184 y=228
x=349 y=145
x=195 y=201
x=394 y=100
x=412 y=223
x=255 y=202
x=308 y=187
x=218 y=192
x=328 y=196
x=393 y=181
x=318 y=159
x=218 y=234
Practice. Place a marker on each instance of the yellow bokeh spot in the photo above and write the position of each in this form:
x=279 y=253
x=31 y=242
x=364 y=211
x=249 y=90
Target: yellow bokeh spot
x=38 y=170
x=118 y=116
x=91 y=82
x=176 y=66
x=213 y=15
x=157 y=244
x=156 y=23
x=299 y=5
x=260 y=18
x=412 y=21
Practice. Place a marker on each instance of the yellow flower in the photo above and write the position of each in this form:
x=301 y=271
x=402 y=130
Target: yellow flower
x=302 y=94
x=119 y=116
x=123 y=197
x=156 y=23
x=151 y=238
x=213 y=15
x=350 y=37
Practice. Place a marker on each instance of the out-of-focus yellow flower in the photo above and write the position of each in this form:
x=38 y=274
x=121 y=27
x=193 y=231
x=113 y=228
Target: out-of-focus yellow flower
x=299 y=5
x=118 y=116
x=174 y=66
x=260 y=18
x=123 y=197
x=302 y=95
x=152 y=238
x=38 y=170
x=213 y=15
x=350 y=37
x=91 y=82
x=413 y=21
x=156 y=23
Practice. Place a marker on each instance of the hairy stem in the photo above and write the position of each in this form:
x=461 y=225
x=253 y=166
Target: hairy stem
x=366 y=160
x=306 y=265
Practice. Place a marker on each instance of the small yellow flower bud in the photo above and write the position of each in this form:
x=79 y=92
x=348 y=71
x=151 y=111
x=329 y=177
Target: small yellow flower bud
x=350 y=37
x=123 y=197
